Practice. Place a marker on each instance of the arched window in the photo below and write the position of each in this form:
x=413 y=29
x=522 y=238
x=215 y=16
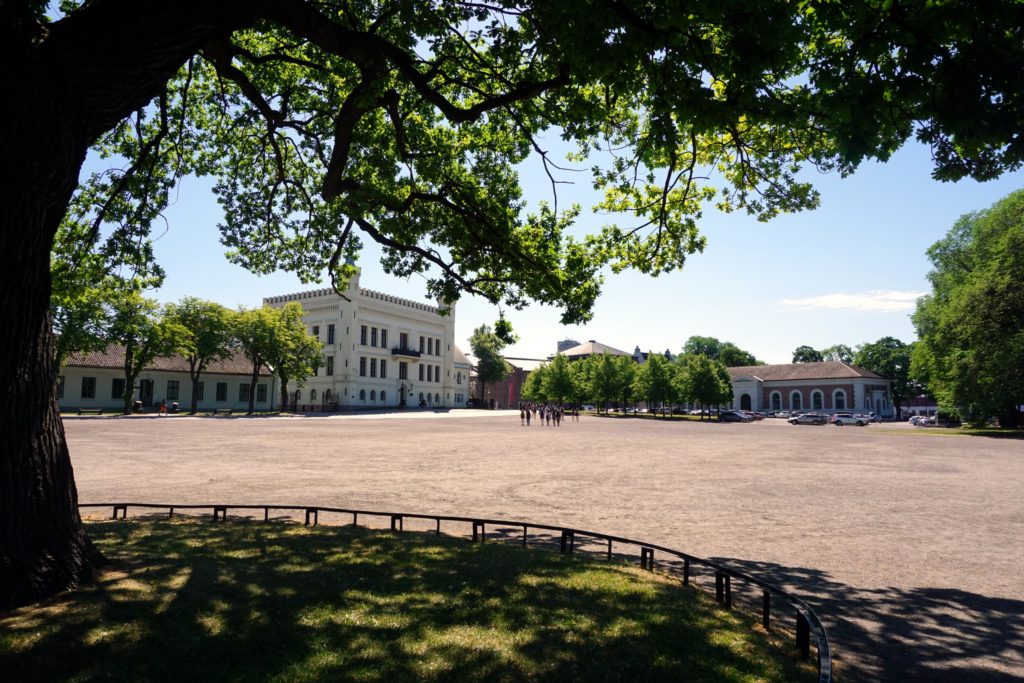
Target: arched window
x=867 y=402
x=437 y=399
x=382 y=396
x=373 y=395
x=796 y=401
x=817 y=400
x=776 y=400
x=745 y=402
x=458 y=378
x=362 y=394
x=312 y=394
x=839 y=399
x=298 y=394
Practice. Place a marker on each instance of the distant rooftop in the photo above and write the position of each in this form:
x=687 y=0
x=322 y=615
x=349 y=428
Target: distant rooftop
x=830 y=369
x=113 y=357
x=366 y=293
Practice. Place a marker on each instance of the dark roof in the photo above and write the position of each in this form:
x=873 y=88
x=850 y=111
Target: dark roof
x=830 y=369
x=113 y=357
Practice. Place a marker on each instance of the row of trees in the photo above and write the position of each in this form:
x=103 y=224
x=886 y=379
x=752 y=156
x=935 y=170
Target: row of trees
x=690 y=378
x=203 y=332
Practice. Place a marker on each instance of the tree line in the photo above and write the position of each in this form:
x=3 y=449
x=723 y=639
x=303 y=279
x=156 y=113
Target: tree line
x=202 y=332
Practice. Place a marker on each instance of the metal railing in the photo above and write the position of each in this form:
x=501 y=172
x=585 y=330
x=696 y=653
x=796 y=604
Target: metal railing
x=807 y=622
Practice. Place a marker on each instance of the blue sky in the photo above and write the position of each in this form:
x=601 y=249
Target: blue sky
x=848 y=272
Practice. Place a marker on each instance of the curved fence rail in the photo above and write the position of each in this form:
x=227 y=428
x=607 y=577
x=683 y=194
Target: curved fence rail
x=807 y=622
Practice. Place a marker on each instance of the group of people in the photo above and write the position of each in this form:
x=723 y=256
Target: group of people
x=547 y=413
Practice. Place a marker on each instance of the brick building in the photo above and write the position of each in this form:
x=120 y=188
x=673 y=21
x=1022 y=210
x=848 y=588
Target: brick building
x=828 y=387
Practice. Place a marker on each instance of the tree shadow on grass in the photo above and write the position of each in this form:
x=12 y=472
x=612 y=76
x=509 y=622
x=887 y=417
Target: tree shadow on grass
x=187 y=600
x=908 y=634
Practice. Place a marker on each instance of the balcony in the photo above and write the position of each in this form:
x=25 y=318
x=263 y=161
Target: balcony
x=402 y=352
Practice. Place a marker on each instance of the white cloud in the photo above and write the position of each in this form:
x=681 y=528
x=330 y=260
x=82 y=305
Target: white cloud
x=874 y=300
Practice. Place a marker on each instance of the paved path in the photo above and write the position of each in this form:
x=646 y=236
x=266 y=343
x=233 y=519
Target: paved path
x=910 y=546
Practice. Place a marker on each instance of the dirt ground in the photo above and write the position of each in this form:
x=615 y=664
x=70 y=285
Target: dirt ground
x=909 y=546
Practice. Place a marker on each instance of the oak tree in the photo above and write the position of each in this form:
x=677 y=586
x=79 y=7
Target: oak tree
x=327 y=123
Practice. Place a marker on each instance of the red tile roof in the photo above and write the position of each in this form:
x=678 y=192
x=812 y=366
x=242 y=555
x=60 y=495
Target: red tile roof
x=830 y=369
x=113 y=357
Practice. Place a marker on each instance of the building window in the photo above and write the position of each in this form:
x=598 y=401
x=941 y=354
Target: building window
x=437 y=373
x=362 y=366
x=382 y=396
x=422 y=344
x=373 y=336
x=437 y=347
x=362 y=335
x=261 y=393
x=430 y=347
x=373 y=395
x=839 y=399
x=172 y=390
x=430 y=373
x=403 y=340
x=362 y=394
x=776 y=400
x=796 y=401
x=403 y=370
x=437 y=399
x=458 y=378
x=88 y=387
x=383 y=338
x=60 y=386
x=817 y=400
x=312 y=395
x=298 y=395
x=199 y=391
x=222 y=391
x=316 y=332
x=421 y=373
x=383 y=370
x=117 y=388
x=330 y=333
x=373 y=367
x=330 y=365
x=243 y=393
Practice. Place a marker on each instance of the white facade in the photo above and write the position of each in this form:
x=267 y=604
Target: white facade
x=93 y=381
x=380 y=351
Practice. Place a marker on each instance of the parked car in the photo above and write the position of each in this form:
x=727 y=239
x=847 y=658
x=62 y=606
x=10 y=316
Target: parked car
x=698 y=411
x=733 y=416
x=781 y=413
x=808 y=419
x=840 y=419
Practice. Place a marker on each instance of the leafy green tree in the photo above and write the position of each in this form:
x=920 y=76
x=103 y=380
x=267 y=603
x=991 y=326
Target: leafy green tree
x=405 y=124
x=558 y=380
x=839 y=352
x=533 y=386
x=298 y=354
x=258 y=335
x=704 y=381
x=971 y=325
x=654 y=381
x=727 y=352
x=605 y=384
x=491 y=366
x=625 y=372
x=580 y=372
x=807 y=354
x=208 y=336
x=704 y=346
x=733 y=356
x=890 y=358
x=137 y=324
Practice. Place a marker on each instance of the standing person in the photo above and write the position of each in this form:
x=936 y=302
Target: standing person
x=528 y=412
x=163 y=407
x=522 y=415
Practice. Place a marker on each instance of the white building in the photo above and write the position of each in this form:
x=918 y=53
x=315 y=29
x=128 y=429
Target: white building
x=379 y=351
x=96 y=381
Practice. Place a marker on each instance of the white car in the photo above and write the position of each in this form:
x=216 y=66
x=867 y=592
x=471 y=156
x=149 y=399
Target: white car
x=840 y=419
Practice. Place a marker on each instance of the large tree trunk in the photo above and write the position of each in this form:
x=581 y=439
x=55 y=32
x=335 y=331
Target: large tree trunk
x=43 y=546
x=284 y=393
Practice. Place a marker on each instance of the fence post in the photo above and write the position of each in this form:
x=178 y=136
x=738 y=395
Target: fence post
x=266 y=514
x=803 y=635
x=437 y=531
x=766 y=609
x=609 y=549
x=524 y=535
x=314 y=514
x=686 y=571
x=719 y=588
x=170 y=513
x=728 y=591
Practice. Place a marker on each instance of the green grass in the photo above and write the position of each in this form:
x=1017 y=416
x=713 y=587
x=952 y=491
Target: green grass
x=990 y=432
x=243 y=601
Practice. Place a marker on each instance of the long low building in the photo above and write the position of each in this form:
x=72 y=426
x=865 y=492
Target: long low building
x=828 y=387
x=96 y=381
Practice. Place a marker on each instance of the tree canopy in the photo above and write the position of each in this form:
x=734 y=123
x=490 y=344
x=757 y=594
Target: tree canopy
x=971 y=325
x=890 y=358
x=491 y=366
x=727 y=352
x=807 y=354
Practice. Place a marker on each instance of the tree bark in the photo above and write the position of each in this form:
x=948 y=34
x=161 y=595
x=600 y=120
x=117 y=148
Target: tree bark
x=43 y=546
x=284 y=392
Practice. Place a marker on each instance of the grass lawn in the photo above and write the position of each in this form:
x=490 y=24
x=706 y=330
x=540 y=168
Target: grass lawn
x=242 y=601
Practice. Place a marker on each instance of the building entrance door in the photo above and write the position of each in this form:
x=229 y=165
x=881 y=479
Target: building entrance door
x=745 y=402
x=146 y=392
